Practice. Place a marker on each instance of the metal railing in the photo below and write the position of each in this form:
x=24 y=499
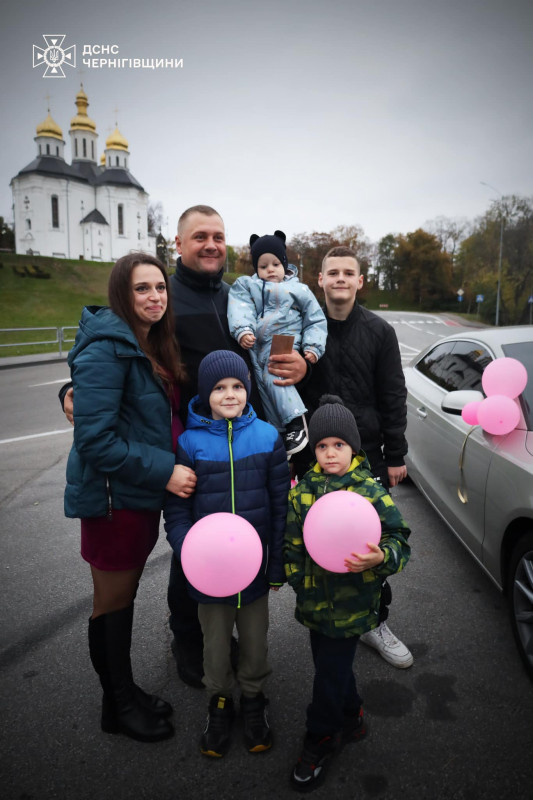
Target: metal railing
x=60 y=338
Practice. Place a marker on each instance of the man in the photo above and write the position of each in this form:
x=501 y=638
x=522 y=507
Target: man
x=199 y=300
x=362 y=364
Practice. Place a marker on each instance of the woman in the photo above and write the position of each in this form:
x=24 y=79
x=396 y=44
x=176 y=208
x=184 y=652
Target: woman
x=126 y=371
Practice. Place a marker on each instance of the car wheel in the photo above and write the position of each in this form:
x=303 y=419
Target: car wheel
x=520 y=584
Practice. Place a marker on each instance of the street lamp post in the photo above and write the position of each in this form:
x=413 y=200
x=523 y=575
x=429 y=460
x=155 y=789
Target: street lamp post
x=499 y=286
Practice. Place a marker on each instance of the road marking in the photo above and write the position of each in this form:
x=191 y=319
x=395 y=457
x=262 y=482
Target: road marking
x=35 y=436
x=48 y=383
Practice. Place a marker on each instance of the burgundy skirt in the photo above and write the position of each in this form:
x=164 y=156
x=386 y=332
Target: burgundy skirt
x=123 y=542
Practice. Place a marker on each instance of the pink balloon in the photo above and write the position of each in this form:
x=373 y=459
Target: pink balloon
x=221 y=554
x=498 y=414
x=469 y=412
x=504 y=376
x=338 y=524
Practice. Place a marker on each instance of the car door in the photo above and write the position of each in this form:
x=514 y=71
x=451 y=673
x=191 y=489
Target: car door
x=450 y=461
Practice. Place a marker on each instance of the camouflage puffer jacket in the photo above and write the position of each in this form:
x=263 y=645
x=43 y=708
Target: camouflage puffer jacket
x=340 y=605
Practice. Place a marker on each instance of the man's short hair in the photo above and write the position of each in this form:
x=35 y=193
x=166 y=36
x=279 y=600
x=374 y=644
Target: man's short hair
x=208 y=211
x=339 y=252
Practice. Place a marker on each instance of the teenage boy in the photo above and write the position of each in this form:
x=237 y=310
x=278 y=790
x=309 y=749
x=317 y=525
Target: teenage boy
x=362 y=364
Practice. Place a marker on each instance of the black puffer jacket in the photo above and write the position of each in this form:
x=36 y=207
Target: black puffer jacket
x=200 y=305
x=362 y=364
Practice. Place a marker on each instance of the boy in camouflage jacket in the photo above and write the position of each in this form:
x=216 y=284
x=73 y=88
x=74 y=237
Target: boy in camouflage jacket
x=337 y=607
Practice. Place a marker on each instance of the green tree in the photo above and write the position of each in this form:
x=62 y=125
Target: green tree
x=7 y=236
x=423 y=270
x=479 y=259
x=385 y=267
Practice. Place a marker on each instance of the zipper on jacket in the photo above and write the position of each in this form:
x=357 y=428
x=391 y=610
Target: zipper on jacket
x=232 y=479
x=232 y=474
x=109 y=514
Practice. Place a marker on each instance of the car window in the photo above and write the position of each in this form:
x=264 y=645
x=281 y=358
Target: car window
x=435 y=364
x=523 y=351
x=470 y=359
x=455 y=365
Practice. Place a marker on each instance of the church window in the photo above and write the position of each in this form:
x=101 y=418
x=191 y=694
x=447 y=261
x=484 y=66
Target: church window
x=57 y=151
x=118 y=160
x=28 y=224
x=40 y=153
x=47 y=149
x=92 y=150
x=85 y=148
x=55 y=211
x=120 y=219
x=76 y=147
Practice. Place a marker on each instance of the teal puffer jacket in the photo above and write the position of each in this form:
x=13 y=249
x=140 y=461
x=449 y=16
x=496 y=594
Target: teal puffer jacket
x=122 y=453
x=340 y=605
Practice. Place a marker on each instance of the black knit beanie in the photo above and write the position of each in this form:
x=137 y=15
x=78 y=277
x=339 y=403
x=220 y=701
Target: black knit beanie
x=332 y=418
x=218 y=365
x=269 y=244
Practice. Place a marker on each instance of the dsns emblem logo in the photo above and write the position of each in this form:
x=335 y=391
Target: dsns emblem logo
x=53 y=56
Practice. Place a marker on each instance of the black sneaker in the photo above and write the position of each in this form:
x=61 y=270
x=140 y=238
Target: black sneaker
x=257 y=733
x=354 y=728
x=216 y=737
x=310 y=769
x=295 y=436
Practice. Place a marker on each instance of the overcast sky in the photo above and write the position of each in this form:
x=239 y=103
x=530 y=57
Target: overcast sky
x=292 y=114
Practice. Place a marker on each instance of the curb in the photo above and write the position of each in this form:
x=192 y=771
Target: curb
x=12 y=362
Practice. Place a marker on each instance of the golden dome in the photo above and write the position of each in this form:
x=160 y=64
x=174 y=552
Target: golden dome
x=49 y=128
x=82 y=122
x=116 y=141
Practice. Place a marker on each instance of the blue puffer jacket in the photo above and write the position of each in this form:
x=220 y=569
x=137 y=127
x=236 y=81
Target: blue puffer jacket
x=122 y=451
x=241 y=467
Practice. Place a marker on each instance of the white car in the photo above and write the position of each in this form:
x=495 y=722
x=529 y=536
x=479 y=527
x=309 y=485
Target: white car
x=480 y=484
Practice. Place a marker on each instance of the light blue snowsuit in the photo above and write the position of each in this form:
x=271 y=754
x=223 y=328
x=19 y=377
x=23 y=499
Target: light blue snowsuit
x=265 y=308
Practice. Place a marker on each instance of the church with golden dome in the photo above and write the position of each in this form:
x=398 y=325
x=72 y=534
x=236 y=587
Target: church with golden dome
x=92 y=208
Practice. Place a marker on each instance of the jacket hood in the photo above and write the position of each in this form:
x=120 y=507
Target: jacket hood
x=352 y=476
x=99 y=322
x=196 y=419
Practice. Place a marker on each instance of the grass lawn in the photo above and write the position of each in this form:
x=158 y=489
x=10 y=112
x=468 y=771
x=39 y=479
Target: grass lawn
x=29 y=299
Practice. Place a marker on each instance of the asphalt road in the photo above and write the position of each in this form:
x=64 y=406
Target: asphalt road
x=456 y=726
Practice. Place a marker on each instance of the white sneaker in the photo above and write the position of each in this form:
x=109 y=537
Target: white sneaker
x=388 y=646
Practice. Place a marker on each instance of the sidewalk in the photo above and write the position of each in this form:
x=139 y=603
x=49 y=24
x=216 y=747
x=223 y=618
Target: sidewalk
x=28 y=361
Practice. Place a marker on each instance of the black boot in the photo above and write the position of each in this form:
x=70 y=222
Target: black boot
x=125 y=707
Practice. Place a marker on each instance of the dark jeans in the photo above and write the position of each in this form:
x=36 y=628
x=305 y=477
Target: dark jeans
x=335 y=693
x=184 y=622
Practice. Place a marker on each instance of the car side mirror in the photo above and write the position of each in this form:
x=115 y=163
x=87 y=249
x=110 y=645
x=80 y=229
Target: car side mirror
x=454 y=402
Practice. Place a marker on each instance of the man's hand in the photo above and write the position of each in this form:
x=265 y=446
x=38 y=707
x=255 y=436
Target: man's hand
x=396 y=474
x=289 y=368
x=68 y=405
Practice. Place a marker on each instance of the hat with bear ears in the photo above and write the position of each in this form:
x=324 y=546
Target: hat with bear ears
x=269 y=244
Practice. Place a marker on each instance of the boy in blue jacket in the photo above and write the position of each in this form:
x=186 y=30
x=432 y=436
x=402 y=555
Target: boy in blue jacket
x=337 y=607
x=241 y=468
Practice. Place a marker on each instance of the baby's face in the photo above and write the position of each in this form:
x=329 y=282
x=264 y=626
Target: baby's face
x=270 y=268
